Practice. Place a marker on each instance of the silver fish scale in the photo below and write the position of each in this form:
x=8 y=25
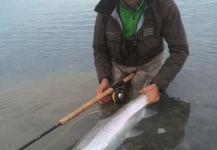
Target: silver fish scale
x=109 y=133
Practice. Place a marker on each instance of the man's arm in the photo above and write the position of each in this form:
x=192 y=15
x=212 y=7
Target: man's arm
x=102 y=58
x=174 y=34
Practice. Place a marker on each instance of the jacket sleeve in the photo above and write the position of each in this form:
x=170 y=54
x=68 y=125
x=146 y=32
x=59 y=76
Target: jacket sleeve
x=174 y=34
x=102 y=59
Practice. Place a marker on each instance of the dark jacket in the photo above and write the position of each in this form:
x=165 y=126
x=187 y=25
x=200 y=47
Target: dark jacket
x=161 y=21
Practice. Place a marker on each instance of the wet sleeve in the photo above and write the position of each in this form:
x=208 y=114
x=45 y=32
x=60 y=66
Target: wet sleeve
x=174 y=34
x=101 y=54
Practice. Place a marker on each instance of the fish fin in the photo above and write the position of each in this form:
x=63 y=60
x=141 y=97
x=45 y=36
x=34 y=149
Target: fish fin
x=148 y=112
x=134 y=132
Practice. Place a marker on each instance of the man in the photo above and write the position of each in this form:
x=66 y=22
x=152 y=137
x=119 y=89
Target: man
x=129 y=35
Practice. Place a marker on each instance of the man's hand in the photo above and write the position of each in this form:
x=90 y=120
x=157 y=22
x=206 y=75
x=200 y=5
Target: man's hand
x=152 y=93
x=104 y=85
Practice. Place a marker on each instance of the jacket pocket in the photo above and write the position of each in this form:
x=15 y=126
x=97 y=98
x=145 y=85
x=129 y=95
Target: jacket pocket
x=114 y=44
x=149 y=42
x=148 y=48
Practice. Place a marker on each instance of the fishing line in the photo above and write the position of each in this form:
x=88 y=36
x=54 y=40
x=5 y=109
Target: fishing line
x=81 y=109
x=57 y=138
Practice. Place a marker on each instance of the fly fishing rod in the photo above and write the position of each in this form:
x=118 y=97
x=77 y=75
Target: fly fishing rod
x=83 y=108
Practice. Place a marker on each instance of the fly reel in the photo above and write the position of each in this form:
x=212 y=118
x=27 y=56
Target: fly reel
x=118 y=96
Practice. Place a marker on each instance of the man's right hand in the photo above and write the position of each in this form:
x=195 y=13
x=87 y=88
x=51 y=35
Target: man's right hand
x=103 y=86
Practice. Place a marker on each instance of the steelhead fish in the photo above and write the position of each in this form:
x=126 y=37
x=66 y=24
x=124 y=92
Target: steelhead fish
x=109 y=133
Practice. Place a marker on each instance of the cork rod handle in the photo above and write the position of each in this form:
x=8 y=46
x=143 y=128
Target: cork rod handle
x=92 y=102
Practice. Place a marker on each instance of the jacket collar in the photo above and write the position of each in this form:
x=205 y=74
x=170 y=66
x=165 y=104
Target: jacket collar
x=108 y=6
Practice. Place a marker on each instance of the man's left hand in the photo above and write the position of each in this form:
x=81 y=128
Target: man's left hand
x=152 y=93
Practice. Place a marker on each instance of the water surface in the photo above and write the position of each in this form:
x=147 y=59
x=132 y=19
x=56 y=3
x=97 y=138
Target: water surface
x=47 y=71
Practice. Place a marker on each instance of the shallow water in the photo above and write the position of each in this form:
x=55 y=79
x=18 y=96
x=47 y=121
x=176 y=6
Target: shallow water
x=47 y=71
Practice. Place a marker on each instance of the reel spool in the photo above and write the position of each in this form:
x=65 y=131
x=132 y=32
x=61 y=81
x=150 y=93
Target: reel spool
x=118 y=96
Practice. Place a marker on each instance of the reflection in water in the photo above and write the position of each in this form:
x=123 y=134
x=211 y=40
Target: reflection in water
x=165 y=130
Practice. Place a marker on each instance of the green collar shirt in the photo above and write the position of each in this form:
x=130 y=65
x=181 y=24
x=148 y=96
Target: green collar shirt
x=130 y=17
